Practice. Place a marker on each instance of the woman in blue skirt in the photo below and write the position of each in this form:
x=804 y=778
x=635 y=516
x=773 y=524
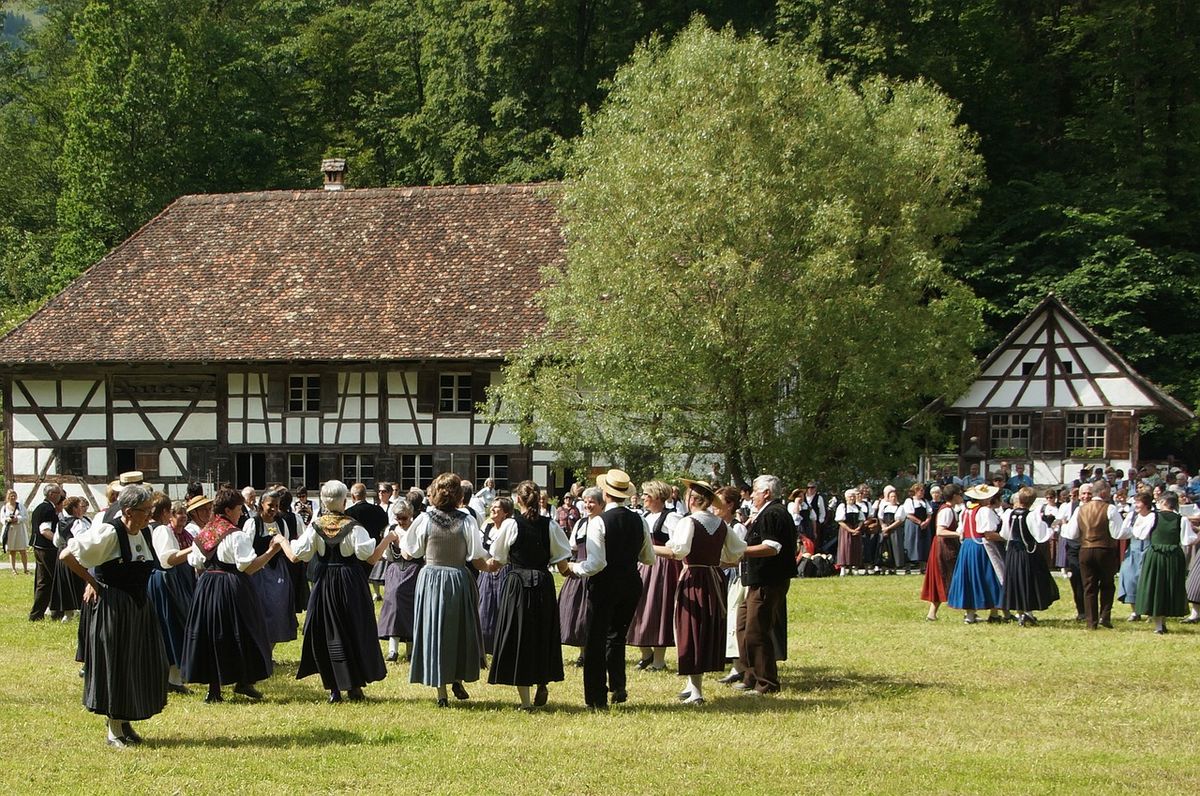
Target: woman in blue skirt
x=976 y=585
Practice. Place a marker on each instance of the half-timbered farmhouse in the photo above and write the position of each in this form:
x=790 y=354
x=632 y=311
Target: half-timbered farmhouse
x=286 y=336
x=1055 y=395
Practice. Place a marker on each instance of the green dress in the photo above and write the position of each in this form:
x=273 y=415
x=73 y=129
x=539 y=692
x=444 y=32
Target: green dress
x=1161 y=587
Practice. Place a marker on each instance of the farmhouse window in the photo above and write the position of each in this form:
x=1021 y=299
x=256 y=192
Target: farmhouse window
x=1010 y=431
x=491 y=465
x=416 y=469
x=251 y=470
x=454 y=393
x=71 y=461
x=304 y=393
x=304 y=469
x=1085 y=430
x=358 y=468
x=143 y=459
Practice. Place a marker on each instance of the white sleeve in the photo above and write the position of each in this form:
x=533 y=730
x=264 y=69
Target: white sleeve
x=243 y=548
x=305 y=545
x=646 y=555
x=475 y=548
x=594 y=545
x=412 y=542
x=1038 y=528
x=840 y=514
x=95 y=545
x=503 y=539
x=986 y=521
x=1070 y=529
x=1006 y=531
x=680 y=543
x=1187 y=533
x=361 y=543
x=560 y=548
x=733 y=548
x=165 y=544
x=1116 y=523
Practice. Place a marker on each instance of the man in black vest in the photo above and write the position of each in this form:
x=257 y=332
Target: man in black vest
x=42 y=523
x=767 y=571
x=616 y=541
x=368 y=515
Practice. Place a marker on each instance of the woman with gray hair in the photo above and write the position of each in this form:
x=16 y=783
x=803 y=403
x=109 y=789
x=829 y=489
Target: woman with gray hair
x=125 y=662
x=653 y=625
x=340 y=639
x=572 y=598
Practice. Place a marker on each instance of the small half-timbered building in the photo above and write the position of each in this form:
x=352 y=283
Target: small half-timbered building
x=286 y=336
x=1055 y=395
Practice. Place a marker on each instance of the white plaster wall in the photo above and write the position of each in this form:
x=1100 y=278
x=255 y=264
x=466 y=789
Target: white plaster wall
x=199 y=427
x=97 y=461
x=74 y=391
x=24 y=461
x=44 y=392
x=235 y=434
x=166 y=463
x=502 y=434
x=454 y=431
x=130 y=428
x=89 y=427
x=398 y=409
x=237 y=383
x=27 y=428
x=402 y=434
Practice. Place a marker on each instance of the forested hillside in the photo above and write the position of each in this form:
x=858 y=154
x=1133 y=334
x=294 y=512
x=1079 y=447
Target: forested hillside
x=1086 y=111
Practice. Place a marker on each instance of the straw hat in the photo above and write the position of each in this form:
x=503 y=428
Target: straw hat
x=130 y=478
x=702 y=487
x=199 y=501
x=982 y=493
x=616 y=483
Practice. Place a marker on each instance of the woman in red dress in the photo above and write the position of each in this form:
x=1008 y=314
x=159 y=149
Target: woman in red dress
x=944 y=551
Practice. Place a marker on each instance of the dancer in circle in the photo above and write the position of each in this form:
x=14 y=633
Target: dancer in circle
x=652 y=628
x=1028 y=584
x=943 y=553
x=172 y=585
x=399 y=589
x=976 y=584
x=1161 y=587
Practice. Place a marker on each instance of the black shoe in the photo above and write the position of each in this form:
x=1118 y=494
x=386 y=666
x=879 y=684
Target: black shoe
x=540 y=696
x=1161 y=631
x=335 y=697
x=731 y=678
x=175 y=688
x=211 y=697
x=130 y=735
x=459 y=691
x=620 y=696
x=443 y=702
x=248 y=691
x=1030 y=619
x=994 y=620
x=644 y=662
x=1106 y=623
x=356 y=695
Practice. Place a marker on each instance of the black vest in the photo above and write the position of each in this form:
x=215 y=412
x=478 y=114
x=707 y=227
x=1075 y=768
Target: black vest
x=773 y=523
x=531 y=548
x=623 y=538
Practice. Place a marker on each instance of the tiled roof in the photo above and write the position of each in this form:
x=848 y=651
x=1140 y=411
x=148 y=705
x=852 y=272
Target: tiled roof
x=403 y=273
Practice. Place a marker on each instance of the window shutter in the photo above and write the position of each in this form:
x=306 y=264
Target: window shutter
x=329 y=393
x=1117 y=436
x=441 y=463
x=427 y=391
x=277 y=385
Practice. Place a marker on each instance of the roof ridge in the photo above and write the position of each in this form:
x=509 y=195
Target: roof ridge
x=319 y=194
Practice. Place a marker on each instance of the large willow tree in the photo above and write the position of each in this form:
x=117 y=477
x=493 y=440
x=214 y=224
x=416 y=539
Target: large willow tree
x=753 y=265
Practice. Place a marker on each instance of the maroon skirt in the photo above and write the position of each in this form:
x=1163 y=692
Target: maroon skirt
x=940 y=569
x=653 y=622
x=700 y=620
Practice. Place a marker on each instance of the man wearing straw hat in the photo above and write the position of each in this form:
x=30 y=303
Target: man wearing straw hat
x=616 y=541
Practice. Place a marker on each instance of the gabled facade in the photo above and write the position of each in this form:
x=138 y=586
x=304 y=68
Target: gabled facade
x=290 y=337
x=1056 y=395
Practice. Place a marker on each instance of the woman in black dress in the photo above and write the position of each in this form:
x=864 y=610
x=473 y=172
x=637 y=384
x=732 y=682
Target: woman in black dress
x=1028 y=584
x=125 y=663
x=528 y=651
x=340 y=637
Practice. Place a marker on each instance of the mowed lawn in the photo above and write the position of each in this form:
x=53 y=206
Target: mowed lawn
x=876 y=700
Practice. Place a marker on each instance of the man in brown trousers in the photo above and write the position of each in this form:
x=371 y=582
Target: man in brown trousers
x=1097 y=525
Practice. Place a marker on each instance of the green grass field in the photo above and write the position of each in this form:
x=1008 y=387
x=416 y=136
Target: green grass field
x=876 y=700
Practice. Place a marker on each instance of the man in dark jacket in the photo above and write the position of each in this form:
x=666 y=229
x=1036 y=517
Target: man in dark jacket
x=42 y=523
x=767 y=571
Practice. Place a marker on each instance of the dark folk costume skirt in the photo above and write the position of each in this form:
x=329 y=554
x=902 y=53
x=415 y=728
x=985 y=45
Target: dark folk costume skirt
x=1193 y=579
x=573 y=612
x=490 y=586
x=68 y=588
x=124 y=659
x=1161 y=586
x=226 y=638
x=1028 y=584
x=399 y=599
x=700 y=618
x=849 y=549
x=273 y=585
x=172 y=591
x=300 y=586
x=528 y=650
x=943 y=555
x=446 y=641
x=653 y=622
x=340 y=640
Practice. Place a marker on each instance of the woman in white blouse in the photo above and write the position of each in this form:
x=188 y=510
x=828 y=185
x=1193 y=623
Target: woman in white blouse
x=173 y=583
x=16 y=534
x=703 y=541
x=528 y=650
x=125 y=665
x=728 y=498
x=340 y=638
x=1139 y=523
x=226 y=639
x=446 y=639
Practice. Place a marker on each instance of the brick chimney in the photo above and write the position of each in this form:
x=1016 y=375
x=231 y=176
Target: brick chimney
x=335 y=173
